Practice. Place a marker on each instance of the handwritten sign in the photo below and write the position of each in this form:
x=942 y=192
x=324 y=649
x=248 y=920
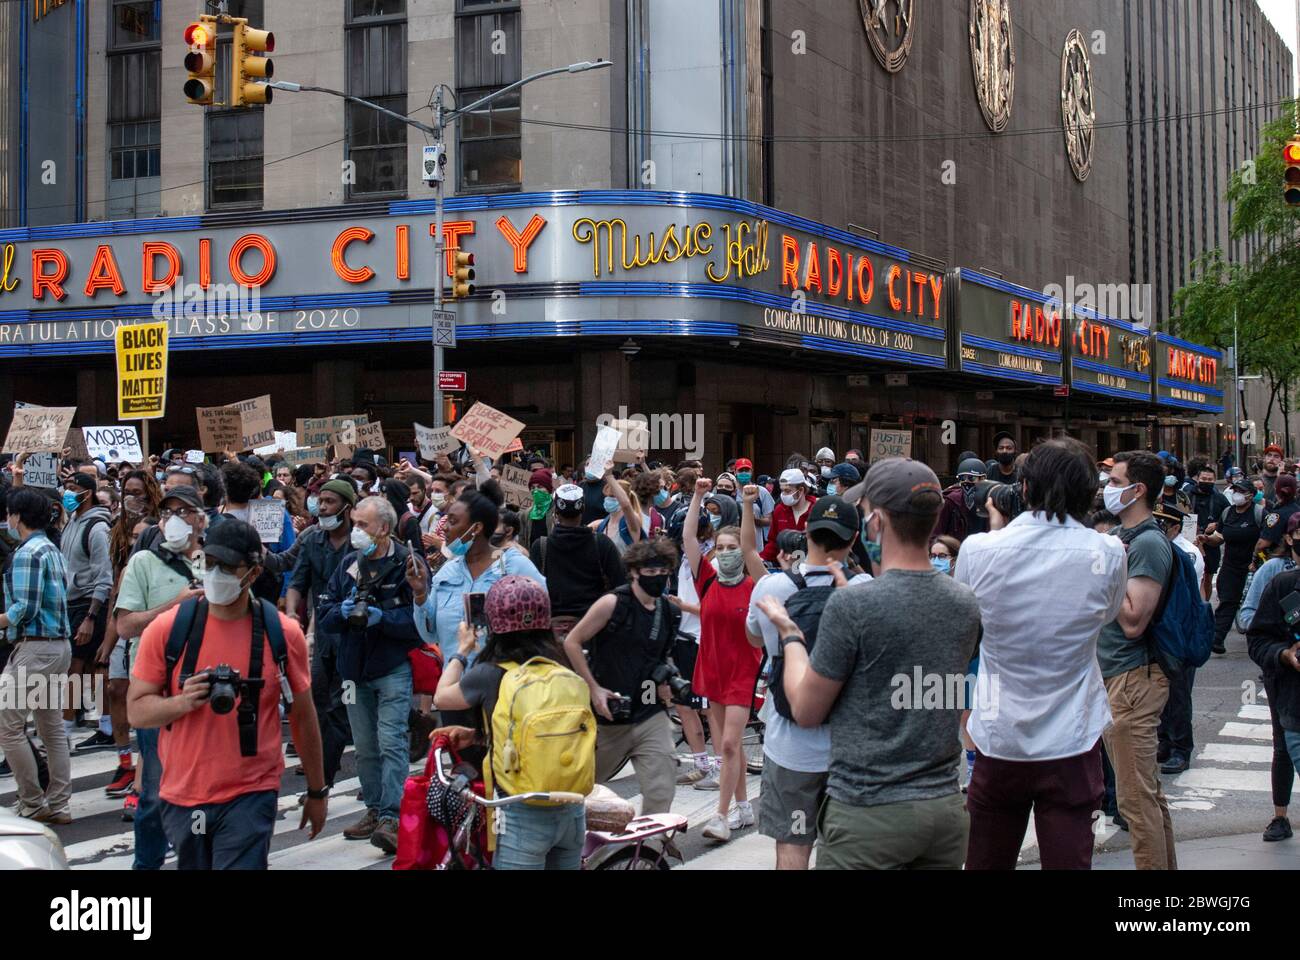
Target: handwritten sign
x=267 y=517
x=633 y=440
x=319 y=432
x=114 y=444
x=514 y=484
x=194 y=456
x=76 y=445
x=219 y=428
x=39 y=429
x=42 y=470
x=284 y=440
x=890 y=443
x=487 y=430
x=255 y=423
x=141 y=350
x=433 y=441
x=301 y=455
x=370 y=436
x=602 y=451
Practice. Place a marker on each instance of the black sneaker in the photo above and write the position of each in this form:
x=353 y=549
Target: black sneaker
x=1219 y=649
x=1162 y=752
x=1120 y=822
x=100 y=741
x=1279 y=828
x=5 y=771
x=1176 y=763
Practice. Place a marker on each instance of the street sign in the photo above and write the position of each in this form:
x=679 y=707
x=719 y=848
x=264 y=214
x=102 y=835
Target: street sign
x=1060 y=391
x=453 y=381
x=444 y=328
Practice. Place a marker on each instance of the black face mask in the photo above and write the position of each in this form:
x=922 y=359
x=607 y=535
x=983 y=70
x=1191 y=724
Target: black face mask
x=1007 y=458
x=1205 y=487
x=654 y=585
x=497 y=539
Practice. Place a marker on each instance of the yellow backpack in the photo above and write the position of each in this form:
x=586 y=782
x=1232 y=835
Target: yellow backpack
x=543 y=733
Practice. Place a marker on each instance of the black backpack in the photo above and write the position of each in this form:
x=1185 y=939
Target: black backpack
x=805 y=608
x=86 y=530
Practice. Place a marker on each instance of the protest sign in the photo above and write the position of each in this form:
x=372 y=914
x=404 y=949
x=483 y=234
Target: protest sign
x=633 y=440
x=514 y=484
x=194 y=456
x=39 y=429
x=141 y=370
x=602 y=451
x=341 y=451
x=255 y=423
x=114 y=444
x=267 y=517
x=487 y=430
x=319 y=431
x=75 y=444
x=219 y=428
x=301 y=455
x=435 y=440
x=370 y=436
x=516 y=445
x=42 y=470
x=890 y=443
x=284 y=440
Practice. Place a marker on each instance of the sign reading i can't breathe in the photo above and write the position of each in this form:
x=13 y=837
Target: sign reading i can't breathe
x=141 y=371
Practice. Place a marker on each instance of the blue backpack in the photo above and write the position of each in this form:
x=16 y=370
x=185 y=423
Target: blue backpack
x=1181 y=633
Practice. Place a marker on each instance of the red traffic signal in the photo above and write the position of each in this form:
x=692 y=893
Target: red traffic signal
x=198 y=35
x=200 y=62
x=1291 y=175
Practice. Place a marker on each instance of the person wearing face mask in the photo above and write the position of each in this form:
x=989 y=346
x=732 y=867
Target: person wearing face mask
x=1208 y=504
x=540 y=514
x=1284 y=508
x=1238 y=531
x=958 y=518
x=648 y=488
x=155 y=581
x=823 y=464
x=764 y=506
x=843 y=476
x=792 y=512
x=225 y=768
x=627 y=634
x=372 y=660
x=85 y=548
x=622 y=521
x=1001 y=469
x=320 y=551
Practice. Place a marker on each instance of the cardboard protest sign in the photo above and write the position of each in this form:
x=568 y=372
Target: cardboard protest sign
x=76 y=445
x=42 y=470
x=516 y=445
x=219 y=428
x=39 y=429
x=514 y=484
x=487 y=430
x=266 y=514
x=435 y=440
x=370 y=436
x=602 y=451
x=319 y=431
x=255 y=423
x=141 y=370
x=633 y=440
x=890 y=443
x=301 y=455
x=341 y=451
x=114 y=444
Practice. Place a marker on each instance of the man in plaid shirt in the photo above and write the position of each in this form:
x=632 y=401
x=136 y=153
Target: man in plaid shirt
x=36 y=620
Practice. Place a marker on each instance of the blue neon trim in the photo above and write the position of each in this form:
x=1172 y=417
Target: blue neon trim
x=1187 y=404
x=65 y=231
x=997 y=372
x=1089 y=314
x=1182 y=385
x=1012 y=288
x=1195 y=347
x=1112 y=392
x=1019 y=351
x=1114 y=371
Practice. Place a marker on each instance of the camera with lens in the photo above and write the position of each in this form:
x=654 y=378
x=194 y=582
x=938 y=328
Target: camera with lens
x=360 y=610
x=227 y=687
x=679 y=685
x=620 y=708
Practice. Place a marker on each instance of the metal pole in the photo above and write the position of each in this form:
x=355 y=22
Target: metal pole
x=144 y=441
x=440 y=259
x=1236 y=378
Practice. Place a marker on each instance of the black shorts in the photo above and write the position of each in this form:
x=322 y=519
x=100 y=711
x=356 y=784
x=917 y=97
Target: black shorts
x=77 y=611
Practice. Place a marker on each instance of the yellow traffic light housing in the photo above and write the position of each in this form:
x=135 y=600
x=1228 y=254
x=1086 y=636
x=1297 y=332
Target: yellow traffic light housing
x=248 y=65
x=462 y=281
x=201 y=61
x=1291 y=175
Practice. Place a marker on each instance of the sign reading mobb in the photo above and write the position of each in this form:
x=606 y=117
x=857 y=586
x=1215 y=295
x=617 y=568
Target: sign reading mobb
x=73 y=914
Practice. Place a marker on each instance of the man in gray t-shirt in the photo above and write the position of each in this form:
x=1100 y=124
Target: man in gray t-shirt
x=887 y=674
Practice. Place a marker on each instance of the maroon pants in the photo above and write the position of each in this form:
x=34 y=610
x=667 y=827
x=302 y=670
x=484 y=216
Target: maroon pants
x=1063 y=795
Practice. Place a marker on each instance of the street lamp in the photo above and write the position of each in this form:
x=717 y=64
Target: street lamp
x=441 y=119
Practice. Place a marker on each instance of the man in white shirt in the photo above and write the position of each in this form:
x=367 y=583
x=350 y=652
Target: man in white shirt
x=1046 y=585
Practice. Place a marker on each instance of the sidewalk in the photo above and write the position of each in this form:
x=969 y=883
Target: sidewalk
x=1242 y=852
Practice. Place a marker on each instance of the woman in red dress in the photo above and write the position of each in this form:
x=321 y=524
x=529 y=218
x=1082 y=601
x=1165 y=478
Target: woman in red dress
x=726 y=668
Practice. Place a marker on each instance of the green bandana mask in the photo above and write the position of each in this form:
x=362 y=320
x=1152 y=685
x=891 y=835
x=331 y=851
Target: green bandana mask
x=541 y=503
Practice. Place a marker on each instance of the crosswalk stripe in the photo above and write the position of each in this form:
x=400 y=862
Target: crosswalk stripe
x=1217 y=778
x=1247 y=731
x=1253 y=711
x=1236 y=753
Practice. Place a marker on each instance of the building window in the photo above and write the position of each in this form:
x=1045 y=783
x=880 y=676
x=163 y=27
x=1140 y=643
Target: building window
x=488 y=57
x=376 y=71
x=133 y=62
x=135 y=150
x=235 y=137
x=134 y=22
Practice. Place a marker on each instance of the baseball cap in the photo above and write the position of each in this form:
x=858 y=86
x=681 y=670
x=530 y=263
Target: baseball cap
x=84 y=480
x=186 y=494
x=1108 y=463
x=835 y=514
x=517 y=603
x=1242 y=484
x=1273 y=448
x=794 y=477
x=847 y=472
x=743 y=464
x=233 y=542
x=568 y=499
x=900 y=486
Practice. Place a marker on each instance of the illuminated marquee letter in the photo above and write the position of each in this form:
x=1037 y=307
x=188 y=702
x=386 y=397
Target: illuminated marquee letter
x=789 y=262
x=403 y=252
x=52 y=282
x=834 y=272
x=257 y=242
x=895 y=271
x=520 y=242
x=150 y=250
x=205 y=263
x=104 y=274
x=339 y=250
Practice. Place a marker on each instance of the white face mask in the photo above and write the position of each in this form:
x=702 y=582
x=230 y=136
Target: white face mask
x=1103 y=478
x=1113 y=498
x=789 y=499
x=176 y=534
x=362 y=542
x=1239 y=499
x=221 y=588
x=437 y=499
x=331 y=523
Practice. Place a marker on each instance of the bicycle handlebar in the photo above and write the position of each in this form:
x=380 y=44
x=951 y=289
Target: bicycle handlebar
x=554 y=796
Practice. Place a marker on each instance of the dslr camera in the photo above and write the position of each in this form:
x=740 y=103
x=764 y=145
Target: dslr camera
x=227 y=687
x=620 y=708
x=679 y=685
x=360 y=610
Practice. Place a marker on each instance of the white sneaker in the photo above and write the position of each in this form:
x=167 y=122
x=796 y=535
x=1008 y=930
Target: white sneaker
x=740 y=815
x=717 y=829
x=710 y=782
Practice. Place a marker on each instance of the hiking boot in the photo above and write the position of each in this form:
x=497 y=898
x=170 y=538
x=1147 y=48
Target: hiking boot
x=384 y=835
x=5 y=769
x=121 y=782
x=1219 y=649
x=46 y=815
x=100 y=741
x=1120 y=822
x=1279 y=828
x=718 y=829
x=363 y=828
x=130 y=804
x=741 y=815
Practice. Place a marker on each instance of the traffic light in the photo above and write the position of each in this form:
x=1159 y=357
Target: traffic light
x=248 y=65
x=201 y=61
x=462 y=278
x=1291 y=155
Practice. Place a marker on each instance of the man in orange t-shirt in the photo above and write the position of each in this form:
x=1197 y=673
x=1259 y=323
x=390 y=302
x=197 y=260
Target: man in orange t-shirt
x=219 y=806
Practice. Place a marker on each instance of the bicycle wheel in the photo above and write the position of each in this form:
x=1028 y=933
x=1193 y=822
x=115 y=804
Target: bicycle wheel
x=752 y=743
x=636 y=858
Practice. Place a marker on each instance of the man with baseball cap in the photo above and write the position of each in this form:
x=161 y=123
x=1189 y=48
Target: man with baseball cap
x=892 y=795
x=222 y=763
x=579 y=566
x=763 y=506
x=1271 y=468
x=1238 y=530
x=793 y=510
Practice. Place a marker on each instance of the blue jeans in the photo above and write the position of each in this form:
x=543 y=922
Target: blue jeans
x=150 y=840
x=381 y=733
x=235 y=835
x=540 y=838
x=1293 y=748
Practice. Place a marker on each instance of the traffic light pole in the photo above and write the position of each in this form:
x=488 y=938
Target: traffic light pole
x=440 y=258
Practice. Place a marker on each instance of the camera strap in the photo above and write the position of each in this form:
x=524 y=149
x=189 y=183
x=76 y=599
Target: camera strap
x=184 y=641
x=248 y=703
